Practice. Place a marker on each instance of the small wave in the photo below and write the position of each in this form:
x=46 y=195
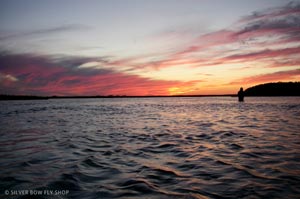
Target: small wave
x=90 y=162
x=167 y=145
x=159 y=135
x=250 y=154
x=180 y=153
x=226 y=134
x=235 y=146
x=66 y=182
x=204 y=136
x=139 y=186
x=166 y=172
x=154 y=150
x=188 y=166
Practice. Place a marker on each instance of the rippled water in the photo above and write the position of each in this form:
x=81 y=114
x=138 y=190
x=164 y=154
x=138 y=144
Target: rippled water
x=152 y=147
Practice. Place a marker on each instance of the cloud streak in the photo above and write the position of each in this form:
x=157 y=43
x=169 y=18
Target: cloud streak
x=263 y=54
x=46 y=31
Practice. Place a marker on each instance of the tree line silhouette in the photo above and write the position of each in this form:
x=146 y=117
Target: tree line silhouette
x=274 y=89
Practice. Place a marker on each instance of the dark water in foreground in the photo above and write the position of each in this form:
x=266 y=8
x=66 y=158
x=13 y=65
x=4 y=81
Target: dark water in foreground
x=150 y=148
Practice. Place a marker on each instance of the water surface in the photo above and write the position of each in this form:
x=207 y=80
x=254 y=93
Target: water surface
x=152 y=147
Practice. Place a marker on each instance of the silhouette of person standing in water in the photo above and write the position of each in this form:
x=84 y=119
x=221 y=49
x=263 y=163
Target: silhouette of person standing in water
x=241 y=94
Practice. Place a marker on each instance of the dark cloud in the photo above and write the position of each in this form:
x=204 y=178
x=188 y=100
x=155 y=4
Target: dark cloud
x=35 y=71
x=15 y=62
x=292 y=7
x=287 y=24
x=283 y=21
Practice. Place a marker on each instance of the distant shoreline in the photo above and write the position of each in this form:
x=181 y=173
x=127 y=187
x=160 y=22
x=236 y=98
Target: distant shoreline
x=21 y=97
x=25 y=97
x=279 y=89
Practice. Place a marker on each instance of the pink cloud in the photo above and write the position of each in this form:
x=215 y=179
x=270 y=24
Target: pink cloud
x=206 y=41
x=110 y=84
x=42 y=76
x=264 y=54
x=269 y=77
x=281 y=25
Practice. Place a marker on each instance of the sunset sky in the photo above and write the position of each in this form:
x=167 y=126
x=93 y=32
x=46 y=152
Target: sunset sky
x=139 y=47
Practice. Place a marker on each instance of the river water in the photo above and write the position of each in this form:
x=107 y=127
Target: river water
x=210 y=147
